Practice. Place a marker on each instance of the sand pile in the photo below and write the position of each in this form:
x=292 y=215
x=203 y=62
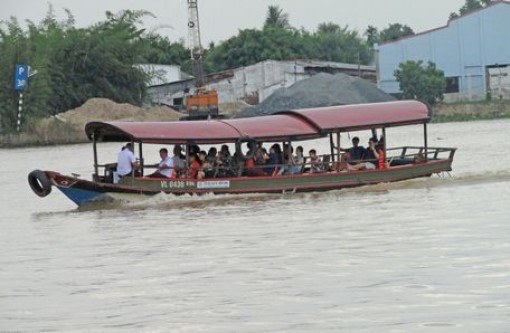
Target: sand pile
x=102 y=109
x=320 y=90
x=68 y=127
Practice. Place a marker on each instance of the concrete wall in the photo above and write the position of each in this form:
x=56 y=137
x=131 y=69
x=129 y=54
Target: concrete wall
x=260 y=79
x=256 y=82
x=466 y=48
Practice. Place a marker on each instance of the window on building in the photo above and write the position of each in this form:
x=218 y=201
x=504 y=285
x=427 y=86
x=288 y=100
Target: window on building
x=178 y=101
x=452 y=84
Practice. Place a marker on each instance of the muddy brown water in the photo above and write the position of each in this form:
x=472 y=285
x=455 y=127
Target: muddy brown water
x=425 y=255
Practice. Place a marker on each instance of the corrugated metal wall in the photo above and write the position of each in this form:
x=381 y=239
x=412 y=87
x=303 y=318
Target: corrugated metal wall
x=465 y=49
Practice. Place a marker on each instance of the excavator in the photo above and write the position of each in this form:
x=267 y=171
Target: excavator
x=202 y=103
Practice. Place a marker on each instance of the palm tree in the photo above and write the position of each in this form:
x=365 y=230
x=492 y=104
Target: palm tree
x=276 y=18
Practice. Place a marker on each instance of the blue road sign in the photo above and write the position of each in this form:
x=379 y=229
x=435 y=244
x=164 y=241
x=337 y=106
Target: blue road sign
x=21 y=77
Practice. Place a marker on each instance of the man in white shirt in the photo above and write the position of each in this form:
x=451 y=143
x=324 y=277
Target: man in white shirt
x=126 y=161
x=165 y=167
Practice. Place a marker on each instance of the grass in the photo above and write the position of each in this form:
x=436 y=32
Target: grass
x=469 y=117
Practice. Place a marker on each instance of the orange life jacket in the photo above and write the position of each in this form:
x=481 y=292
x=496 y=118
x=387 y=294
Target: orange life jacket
x=382 y=160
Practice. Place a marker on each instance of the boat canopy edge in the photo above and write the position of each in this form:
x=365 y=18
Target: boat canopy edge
x=288 y=125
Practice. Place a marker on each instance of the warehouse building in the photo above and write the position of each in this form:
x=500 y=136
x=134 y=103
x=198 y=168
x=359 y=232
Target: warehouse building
x=472 y=50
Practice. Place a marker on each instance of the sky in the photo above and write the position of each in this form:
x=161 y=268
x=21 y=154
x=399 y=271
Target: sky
x=222 y=19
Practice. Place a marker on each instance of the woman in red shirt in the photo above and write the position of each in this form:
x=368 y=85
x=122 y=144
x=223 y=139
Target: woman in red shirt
x=195 y=167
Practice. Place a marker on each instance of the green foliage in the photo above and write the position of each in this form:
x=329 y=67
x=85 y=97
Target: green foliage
x=276 y=18
x=330 y=43
x=421 y=82
x=278 y=41
x=392 y=32
x=470 y=5
x=160 y=50
x=251 y=46
x=74 y=64
x=334 y=43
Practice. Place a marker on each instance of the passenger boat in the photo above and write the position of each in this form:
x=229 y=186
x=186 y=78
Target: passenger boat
x=285 y=127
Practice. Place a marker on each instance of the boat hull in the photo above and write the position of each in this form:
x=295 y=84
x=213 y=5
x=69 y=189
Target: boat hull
x=83 y=191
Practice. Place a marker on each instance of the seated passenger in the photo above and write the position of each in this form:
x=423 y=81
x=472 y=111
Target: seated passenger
x=127 y=163
x=195 y=171
x=356 y=153
x=261 y=155
x=224 y=162
x=254 y=160
x=275 y=160
x=179 y=162
x=207 y=167
x=374 y=155
x=165 y=166
x=316 y=165
x=291 y=167
x=299 y=161
x=212 y=156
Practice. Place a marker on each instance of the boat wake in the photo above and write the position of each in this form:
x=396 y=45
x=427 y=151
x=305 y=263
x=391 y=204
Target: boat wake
x=438 y=180
x=171 y=201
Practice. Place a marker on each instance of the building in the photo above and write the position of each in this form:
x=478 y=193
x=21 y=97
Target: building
x=255 y=83
x=472 y=50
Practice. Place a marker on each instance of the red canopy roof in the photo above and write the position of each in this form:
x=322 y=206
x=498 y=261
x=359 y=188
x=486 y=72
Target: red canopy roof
x=345 y=118
x=287 y=125
x=268 y=129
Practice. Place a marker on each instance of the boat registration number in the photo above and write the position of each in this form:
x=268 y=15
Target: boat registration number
x=178 y=184
x=201 y=185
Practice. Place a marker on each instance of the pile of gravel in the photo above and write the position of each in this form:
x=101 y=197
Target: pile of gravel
x=320 y=90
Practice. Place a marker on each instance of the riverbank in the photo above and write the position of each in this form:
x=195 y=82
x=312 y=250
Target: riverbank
x=483 y=110
x=68 y=127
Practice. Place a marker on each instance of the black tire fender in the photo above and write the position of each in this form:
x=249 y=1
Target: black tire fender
x=39 y=183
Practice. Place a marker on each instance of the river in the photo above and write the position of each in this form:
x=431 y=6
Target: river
x=426 y=255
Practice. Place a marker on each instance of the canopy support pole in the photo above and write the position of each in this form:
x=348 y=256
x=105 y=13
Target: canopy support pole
x=383 y=136
x=425 y=141
x=187 y=160
x=338 y=146
x=96 y=169
x=331 y=146
x=141 y=157
x=281 y=167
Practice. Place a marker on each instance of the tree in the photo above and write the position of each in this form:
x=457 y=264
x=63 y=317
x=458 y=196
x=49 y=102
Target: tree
x=73 y=64
x=422 y=82
x=372 y=35
x=276 y=18
x=334 y=43
x=394 y=31
x=251 y=46
x=470 y=5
